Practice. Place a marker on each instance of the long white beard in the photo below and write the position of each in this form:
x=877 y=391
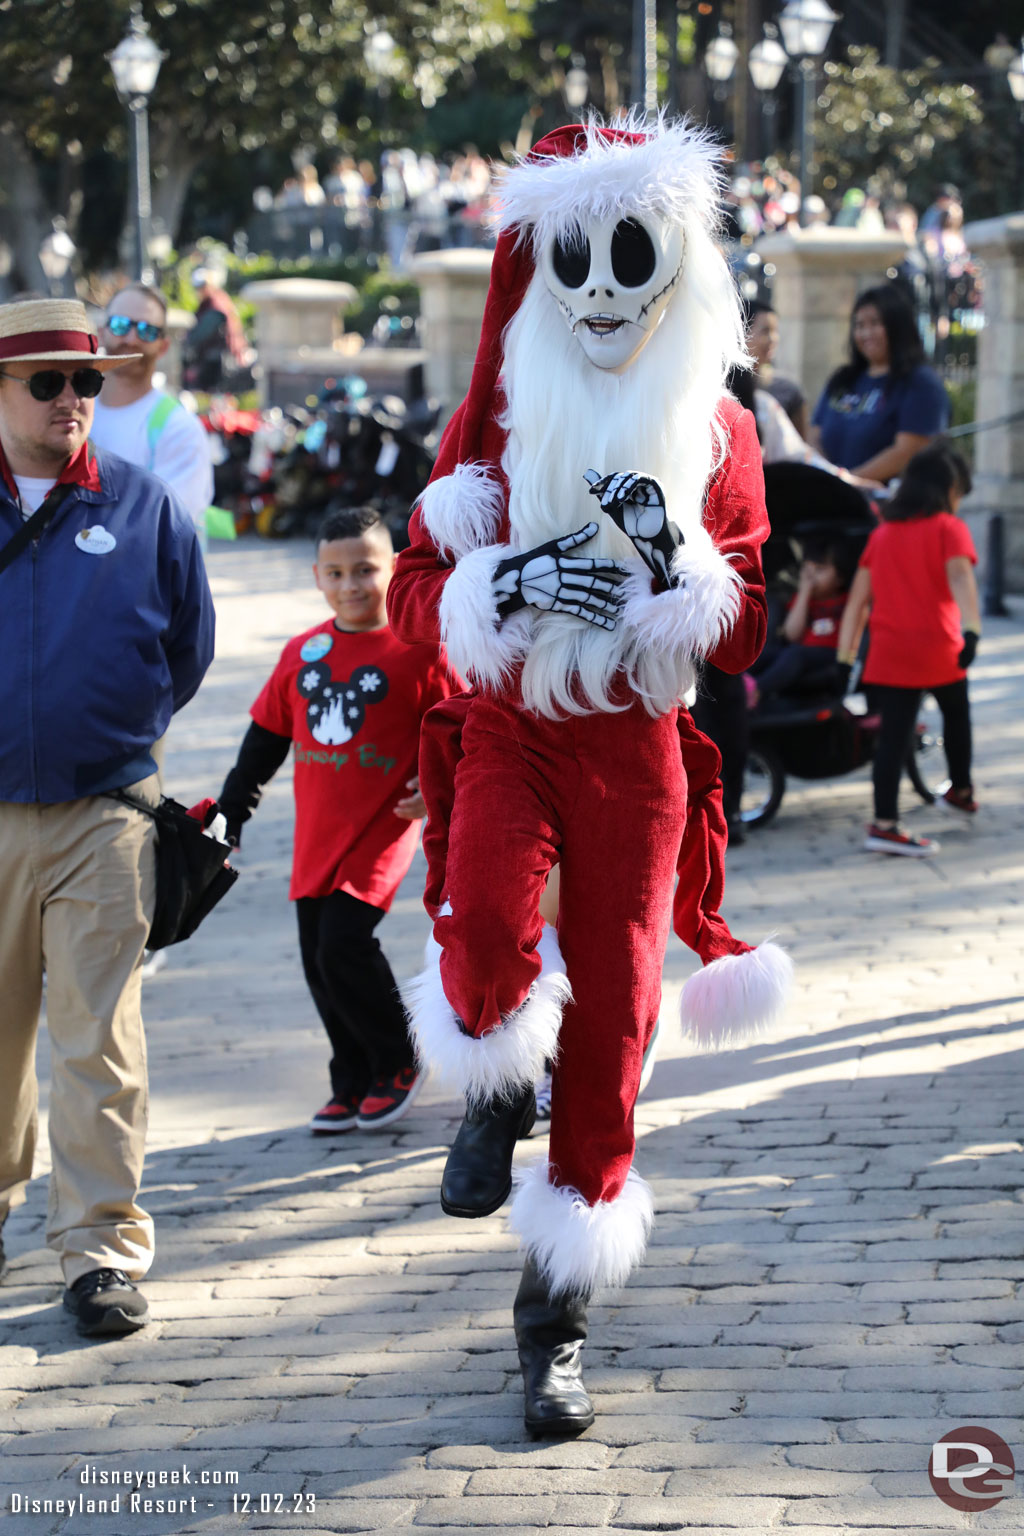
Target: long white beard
x=565 y=416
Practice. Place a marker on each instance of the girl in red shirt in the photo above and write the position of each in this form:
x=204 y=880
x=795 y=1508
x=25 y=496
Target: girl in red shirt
x=916 y=578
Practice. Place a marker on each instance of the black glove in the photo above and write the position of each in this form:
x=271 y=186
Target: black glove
x=969 y=649
x=636 y=504
x=843 y=670
x=548 y=578
x=233 y=834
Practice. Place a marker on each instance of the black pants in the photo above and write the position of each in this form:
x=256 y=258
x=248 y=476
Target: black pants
x=898 y=708
x=796 y=664
x=720 y=711
x=354 y=991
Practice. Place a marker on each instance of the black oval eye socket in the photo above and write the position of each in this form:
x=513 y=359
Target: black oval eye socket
x=571 y=260
x=633 y=256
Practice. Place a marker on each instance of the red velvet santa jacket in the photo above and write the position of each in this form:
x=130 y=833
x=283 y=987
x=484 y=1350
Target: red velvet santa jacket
x=734 y=518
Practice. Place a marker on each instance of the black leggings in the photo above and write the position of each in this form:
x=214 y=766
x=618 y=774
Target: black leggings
x=898 y=708
x=354 y=991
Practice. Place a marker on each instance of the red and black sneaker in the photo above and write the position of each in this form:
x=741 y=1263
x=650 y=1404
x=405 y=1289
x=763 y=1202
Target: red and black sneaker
x=388 y=1098
x=337 y=1115
x=960 y=800
x=895 y=840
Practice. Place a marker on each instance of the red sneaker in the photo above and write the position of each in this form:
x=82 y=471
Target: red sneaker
x=895 y=840
x=960 y=800
x=337 y=1115
x=388 y=1098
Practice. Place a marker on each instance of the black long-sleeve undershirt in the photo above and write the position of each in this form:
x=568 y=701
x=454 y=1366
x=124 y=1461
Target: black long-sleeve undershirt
x=259 y=757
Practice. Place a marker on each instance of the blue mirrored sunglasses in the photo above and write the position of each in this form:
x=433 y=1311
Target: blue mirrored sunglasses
x=145 y=330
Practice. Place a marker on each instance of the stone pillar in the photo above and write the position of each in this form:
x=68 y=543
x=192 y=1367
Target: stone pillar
x=453 y=289
x=818 y=274
x=296 y=316
x=999 y=451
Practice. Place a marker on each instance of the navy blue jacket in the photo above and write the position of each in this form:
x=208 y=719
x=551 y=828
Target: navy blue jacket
x=97 y=650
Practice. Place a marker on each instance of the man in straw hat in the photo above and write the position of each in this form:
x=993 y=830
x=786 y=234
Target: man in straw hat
x=591 y=532
x=106 y=627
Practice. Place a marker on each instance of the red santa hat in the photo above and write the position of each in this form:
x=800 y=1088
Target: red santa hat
x=573 y=174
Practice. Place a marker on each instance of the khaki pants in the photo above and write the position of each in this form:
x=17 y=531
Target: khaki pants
x=78 y=889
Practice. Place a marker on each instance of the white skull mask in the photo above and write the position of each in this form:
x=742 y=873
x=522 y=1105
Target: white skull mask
x=613 y=282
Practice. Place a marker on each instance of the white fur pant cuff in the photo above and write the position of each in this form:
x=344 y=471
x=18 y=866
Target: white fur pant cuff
x=510 y=1056
x=578 y=1247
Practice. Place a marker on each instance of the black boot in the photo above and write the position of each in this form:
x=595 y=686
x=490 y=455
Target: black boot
x=550 y=1333
x=477 y=1177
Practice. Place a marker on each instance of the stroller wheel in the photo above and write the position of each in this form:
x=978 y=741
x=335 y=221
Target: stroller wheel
x=764 y=784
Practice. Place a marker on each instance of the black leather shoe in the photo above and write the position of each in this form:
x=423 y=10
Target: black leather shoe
x=106 y=1301
x=550 y=1334
x=477 y=1177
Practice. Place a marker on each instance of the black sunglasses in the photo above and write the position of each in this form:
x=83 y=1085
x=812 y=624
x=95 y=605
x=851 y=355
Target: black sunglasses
x=48 y=383
x=145 y=330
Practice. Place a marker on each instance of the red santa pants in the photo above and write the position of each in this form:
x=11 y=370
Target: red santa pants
x=604 y=795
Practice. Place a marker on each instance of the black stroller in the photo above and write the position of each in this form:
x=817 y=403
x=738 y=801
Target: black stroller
x=813 y=732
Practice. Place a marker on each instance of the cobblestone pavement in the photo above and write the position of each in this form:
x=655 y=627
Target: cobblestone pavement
x=833 y=1281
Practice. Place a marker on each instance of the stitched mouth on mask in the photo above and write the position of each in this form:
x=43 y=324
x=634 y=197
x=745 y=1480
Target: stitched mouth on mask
x=602 y=325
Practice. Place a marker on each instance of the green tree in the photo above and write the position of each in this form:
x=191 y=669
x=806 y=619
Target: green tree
x=908 y=128
x=237 y=75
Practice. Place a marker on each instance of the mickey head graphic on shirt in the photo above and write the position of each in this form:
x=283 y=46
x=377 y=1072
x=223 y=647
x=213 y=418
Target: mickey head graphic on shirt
x=336 y=710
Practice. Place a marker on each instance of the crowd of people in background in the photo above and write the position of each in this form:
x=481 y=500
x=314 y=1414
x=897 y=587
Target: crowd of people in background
x=413 y=199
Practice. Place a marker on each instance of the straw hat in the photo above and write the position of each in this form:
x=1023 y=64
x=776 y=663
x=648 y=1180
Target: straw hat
x=52 y=331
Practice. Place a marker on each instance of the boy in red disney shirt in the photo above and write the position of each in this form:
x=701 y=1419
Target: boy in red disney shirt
x=350 y=697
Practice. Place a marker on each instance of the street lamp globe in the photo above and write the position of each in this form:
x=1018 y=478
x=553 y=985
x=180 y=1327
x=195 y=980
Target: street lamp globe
x=767 y=61
x=378 y=51
x=577 y=86
x=135 y=62
x=720 y=58
x=806 y=27
x=1015 y=78
x=55 y=256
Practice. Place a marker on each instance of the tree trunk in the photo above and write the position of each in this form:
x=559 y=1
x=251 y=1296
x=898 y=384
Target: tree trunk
x=24 y=220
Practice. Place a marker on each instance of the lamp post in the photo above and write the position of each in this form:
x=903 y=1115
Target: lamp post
x=720 y=61
x=767 y=62
x=806 y=28
x=135 y=64
x=1015 y=80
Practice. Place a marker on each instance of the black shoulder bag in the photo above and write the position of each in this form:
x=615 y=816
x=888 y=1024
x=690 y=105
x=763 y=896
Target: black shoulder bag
x=192 y=870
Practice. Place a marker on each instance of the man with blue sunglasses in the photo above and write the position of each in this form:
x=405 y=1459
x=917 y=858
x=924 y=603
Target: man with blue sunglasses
x=144 y=424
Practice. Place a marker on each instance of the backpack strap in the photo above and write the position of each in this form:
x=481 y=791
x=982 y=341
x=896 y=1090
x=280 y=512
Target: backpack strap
x=157 y=420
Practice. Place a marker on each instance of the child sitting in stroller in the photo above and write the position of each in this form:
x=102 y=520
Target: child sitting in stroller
x=805 y=651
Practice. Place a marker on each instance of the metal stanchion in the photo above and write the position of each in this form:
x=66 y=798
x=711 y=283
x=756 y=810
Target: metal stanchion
x=993 y=605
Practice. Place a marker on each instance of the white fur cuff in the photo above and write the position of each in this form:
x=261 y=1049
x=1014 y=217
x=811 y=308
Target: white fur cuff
x=576 y=1246
x=510 y=1056
x=736 y=998
x=694 y=616
x=476 y=646
x=463 y=510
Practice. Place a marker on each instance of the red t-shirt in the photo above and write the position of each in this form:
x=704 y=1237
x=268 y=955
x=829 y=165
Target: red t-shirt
x=823 y=616
x=352 y=705
x=915 y=623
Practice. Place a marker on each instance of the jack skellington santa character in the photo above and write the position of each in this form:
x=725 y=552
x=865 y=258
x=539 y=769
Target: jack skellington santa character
x=592 y=530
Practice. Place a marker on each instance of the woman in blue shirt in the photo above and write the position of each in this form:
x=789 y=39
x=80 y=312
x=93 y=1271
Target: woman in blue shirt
x=885 y=404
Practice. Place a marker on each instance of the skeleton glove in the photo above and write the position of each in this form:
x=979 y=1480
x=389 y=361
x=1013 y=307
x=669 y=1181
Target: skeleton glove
x=636 y=504
x=548 y=577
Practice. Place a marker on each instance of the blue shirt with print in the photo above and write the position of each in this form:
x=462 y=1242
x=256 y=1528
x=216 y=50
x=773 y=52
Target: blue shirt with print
x=863 y=418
